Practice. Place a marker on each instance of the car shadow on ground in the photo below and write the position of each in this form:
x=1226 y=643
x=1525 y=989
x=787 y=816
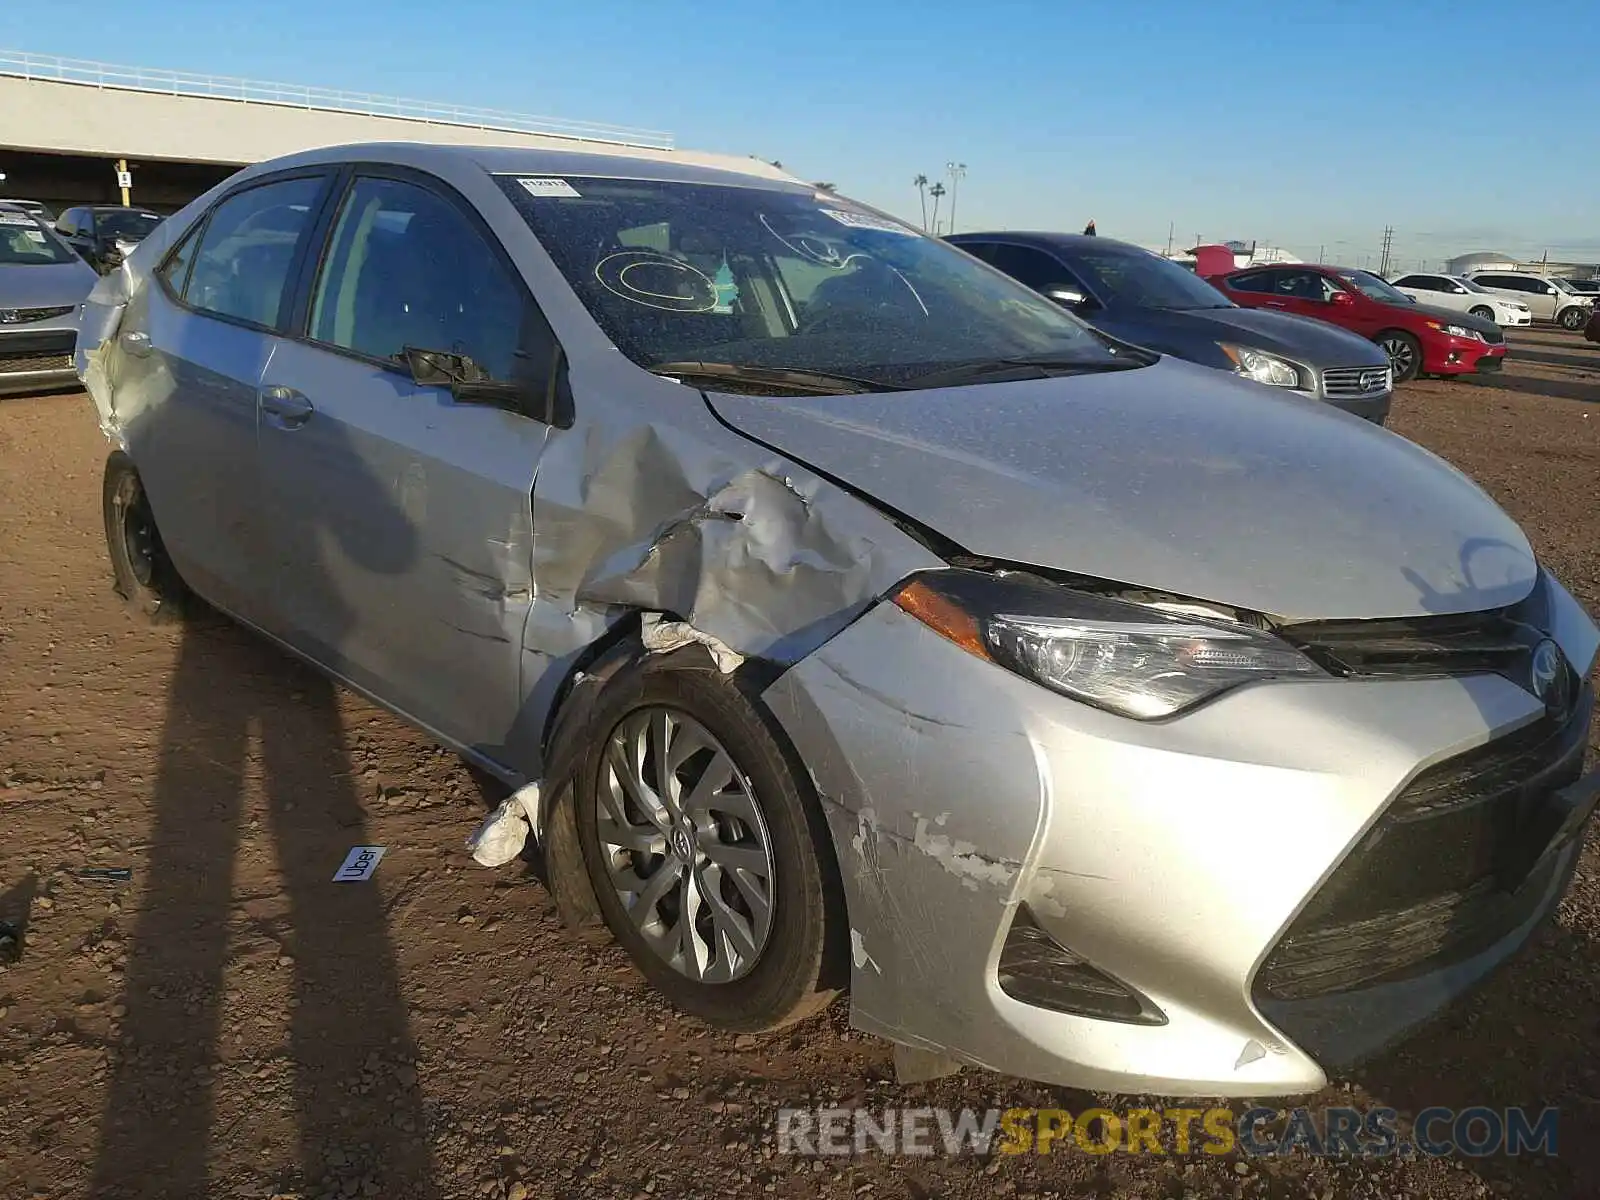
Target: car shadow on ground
x=349 y=1050
x=1560 y=389
x=1589 y=361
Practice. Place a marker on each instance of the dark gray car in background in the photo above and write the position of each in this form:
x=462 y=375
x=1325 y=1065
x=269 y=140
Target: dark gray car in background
x=1138 y=296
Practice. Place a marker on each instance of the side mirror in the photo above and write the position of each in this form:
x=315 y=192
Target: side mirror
x=469 y=383
x=1347 y=298
x=1066 y=297
x=1550 y=291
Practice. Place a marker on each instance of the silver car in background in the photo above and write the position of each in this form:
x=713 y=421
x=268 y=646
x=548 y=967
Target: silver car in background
x=42 y=283
x=865 y=619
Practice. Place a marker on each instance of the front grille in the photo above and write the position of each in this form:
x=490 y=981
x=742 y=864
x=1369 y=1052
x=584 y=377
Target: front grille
x=1451 y=867
x=1346 y=383
x=24 y=316
x=22 y=364
x=1496 y=641
x=28 y=352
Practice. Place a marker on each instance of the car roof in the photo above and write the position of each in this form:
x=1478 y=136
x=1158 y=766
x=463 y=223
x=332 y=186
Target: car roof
x=133 y=208
x=1043 y=240
x=624 y=162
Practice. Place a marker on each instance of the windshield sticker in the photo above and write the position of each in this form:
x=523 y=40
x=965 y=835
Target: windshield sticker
x=34 y=235
x=660 y=281
x=867 y=221
x=547 y=186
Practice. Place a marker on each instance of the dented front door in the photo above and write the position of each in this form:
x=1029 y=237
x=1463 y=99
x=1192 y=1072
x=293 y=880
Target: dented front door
x=401 y=522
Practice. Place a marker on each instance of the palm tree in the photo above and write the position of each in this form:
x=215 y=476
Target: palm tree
x=936 y=191
x=921 y=184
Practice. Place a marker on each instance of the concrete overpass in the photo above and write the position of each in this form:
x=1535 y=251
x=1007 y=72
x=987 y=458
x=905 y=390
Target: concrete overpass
x=64 y=124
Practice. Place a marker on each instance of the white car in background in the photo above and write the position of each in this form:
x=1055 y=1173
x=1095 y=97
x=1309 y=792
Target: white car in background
x=1547 y=298
x=1460 y=293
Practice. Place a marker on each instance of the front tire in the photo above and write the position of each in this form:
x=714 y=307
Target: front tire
x=1572 y=319
x=1405 y=354
x=141 y=572
x=1482 y=310
x=707 y=848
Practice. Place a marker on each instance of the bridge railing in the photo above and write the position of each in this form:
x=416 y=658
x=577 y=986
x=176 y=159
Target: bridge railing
x=251 y=91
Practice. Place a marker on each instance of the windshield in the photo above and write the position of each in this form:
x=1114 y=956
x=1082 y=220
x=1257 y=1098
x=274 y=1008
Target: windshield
x=124 y=223
x=1469 y=284
x=1371 y=285
x=1138 y=277
x=710 y=273
x=23 y=242
x=1562 y=285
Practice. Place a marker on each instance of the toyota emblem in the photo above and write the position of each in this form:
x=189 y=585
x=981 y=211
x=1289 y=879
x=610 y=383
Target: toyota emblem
x=1548 y=677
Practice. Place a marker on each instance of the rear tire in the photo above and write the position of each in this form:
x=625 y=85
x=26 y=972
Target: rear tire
x=721 y=942
x=1482 y=310
x=1405 y=354
x=1572 y=319
x=141 y=572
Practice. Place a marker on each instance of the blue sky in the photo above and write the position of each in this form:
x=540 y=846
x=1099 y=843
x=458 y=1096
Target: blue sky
x=1306 y=123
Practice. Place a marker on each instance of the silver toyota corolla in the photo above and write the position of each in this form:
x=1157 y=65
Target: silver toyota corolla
x=42 y=283
x=863 y=619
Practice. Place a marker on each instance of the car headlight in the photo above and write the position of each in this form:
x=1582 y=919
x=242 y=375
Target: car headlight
x=1261 y=366
x=1137 y=660
x=1460 y=331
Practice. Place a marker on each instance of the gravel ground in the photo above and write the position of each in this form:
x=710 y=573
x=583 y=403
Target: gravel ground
x=230 y=1023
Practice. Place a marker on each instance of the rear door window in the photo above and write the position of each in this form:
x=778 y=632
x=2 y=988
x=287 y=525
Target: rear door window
x=1033 y=267
x=248 y=249
x=1260 y=281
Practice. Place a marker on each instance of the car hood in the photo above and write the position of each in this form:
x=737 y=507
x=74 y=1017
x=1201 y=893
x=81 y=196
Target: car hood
x=1304 y=339
x=1453 y=316
x=45 y=285
x=1171 y=477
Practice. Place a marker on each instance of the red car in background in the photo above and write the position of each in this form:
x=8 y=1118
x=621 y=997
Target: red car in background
x=1419 y=339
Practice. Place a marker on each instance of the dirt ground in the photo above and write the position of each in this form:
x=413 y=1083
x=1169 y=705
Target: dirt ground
x=230 y=1023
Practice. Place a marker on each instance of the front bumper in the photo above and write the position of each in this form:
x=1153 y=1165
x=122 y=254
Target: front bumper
x=1512 y=318
x=1460 y=356
x=36 y=359
x=1172 y=856
x=1368 y=408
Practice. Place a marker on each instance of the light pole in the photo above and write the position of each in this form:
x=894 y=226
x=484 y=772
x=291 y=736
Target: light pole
x=958 y=172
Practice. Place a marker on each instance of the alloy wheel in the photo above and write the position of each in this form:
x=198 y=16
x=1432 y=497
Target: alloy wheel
x=1574 y=318
x=685 y=845
x=1402 y=356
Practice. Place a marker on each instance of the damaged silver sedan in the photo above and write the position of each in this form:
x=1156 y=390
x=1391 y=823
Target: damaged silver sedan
x=849 y=617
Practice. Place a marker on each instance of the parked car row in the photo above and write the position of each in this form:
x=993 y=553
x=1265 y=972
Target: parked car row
x=1147 y=300
x=849 y=615
x=1548 y=299
x=1463 y=294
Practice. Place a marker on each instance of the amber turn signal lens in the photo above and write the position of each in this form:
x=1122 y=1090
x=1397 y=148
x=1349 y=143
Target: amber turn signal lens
x=942 y=615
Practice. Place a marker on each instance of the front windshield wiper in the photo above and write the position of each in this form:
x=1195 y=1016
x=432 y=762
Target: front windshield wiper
x=1029 y=366
x=819 y=383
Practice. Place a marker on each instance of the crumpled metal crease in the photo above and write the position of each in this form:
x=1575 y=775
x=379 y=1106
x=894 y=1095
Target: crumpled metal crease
x=767 y=560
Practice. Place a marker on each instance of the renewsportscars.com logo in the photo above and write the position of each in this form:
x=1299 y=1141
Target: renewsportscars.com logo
x=1256 y=1132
